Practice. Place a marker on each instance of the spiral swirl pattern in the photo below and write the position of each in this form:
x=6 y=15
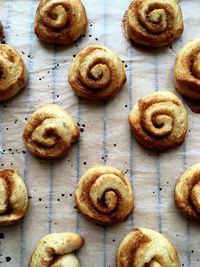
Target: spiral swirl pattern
x=96 y=73
x=187 y=70
x=187 y=192
x=104 y=195
x=12 y=72
x=144 y=247
x=60 y=21
x=57 y=250
x=159 y=121
x=153 y=23
x=50 y=131
x=13 y=197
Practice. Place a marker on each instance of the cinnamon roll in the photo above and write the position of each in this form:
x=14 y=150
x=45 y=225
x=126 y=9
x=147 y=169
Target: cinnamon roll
x=154 y=23
x=12 y=72
x=60 y=21
x=104 y=195
x=187 y=192
x=13 y=197
x=144 y=247
x=159 y=121
x=96 y=73
x=187 y=70
x=50 y=131
x=57 y=250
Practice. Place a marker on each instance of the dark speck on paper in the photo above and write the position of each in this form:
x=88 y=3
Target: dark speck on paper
x=2 y=236
x=8 y=258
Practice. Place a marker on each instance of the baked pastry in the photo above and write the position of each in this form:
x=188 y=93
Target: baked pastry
x=154 y=23
x=96 y=73
x=60 y=21
x=104 y=195
x=12 y=72
x=13 y=197
x=144 y=247
x=187 y=70
x=1 y=32
x=57 y=250
x=187 y=192
x=50 y=131
x=159 y=121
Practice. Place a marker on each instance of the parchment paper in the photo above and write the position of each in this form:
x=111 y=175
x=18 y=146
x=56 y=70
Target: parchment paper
x=106 y=138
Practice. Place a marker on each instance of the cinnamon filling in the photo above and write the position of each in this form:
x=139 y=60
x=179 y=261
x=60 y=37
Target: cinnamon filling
x=58 y=17
x=196 y=66
x=2 y=74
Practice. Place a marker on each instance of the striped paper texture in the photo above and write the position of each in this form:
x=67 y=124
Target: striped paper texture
x=106 y=138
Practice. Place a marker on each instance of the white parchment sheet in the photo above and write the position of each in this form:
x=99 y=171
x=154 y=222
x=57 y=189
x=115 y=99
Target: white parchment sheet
x=106 y=135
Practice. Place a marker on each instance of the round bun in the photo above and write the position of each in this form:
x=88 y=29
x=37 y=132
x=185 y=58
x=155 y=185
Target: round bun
x=56 y=250
x=187 y=192
x=104 y=195
x=154 y=23
x=13 y=197
x=50 y=131
x=96 y=73
x=187 y=70
x=159 y=121
x=13 y=76
x=60 y=21
x=144 y=247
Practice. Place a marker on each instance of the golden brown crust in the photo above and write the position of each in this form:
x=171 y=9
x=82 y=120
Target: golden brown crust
x=187 y=70
x=60 y=21
x=13 y=197
x=96 y=73
x=57 y=250
x=50 y=131
x=159 y=121
x=144 y=247
x=187 y=192
x=154 y=23
x=104 y=195
x=13 y=76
